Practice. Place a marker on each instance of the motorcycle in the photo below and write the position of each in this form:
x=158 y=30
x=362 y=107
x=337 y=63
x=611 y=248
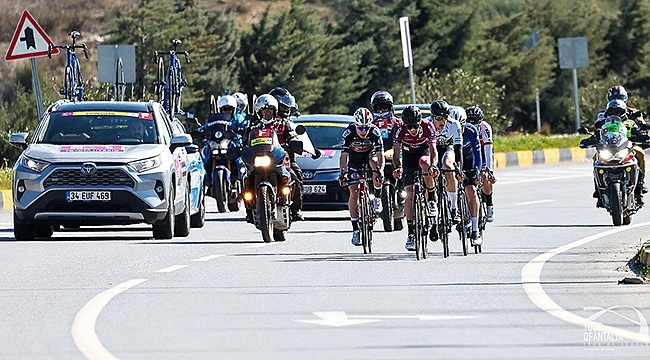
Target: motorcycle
x=393 y=196
x=224 y=186
x=268 y=184
x=616 y=171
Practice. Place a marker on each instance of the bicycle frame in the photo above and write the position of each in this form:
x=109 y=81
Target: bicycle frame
x=73 y=83
x=170 y=84
x=444 y=212
x=421 y=218
x=365 y=211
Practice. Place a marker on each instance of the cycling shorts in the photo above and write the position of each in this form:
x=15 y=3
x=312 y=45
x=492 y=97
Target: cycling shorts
x=411 y=163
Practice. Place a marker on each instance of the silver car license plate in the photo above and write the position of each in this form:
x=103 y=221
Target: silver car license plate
x=88 y=196
x=314 y=189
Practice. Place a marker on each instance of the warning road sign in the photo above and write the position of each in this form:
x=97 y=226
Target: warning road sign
x=29 y=40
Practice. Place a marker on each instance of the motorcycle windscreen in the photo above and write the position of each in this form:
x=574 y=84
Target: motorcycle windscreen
x=217 y=126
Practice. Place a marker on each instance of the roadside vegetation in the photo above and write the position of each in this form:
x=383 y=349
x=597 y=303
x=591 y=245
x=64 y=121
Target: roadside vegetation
x=5 y=177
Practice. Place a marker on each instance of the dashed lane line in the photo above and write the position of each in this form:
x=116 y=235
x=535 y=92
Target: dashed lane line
x=171 y=268
x=209 y=257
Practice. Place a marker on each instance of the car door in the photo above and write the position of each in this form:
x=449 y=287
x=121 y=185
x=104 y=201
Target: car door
x=180 y=161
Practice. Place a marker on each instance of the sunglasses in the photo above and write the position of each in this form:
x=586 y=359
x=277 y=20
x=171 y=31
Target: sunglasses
x=227 y=109
x=412 y=126
x=440 y=117
x=363 y=127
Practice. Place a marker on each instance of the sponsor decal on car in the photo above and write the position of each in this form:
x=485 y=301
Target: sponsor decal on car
x=92 y=148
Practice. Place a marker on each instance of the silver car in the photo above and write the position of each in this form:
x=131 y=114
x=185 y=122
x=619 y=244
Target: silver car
x=102 y=163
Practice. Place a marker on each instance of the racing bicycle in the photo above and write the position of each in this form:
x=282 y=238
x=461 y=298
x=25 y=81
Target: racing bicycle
x=365 y=210
x=444 y=221
x=169 y=84
x=421 y=217
x=463 y=210
x=73 y=83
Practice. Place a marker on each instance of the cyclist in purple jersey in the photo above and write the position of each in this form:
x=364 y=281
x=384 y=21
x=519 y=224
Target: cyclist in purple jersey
x=415 y=141
x=361 y=143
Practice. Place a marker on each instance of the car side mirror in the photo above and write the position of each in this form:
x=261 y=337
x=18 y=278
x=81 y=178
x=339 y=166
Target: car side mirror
x=300 y=129
x=19 y=140
x=179 y=140
x=583 y=131
x=192 y=148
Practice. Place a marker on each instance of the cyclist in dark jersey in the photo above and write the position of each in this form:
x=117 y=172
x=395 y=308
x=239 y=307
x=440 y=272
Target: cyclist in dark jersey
x=361 y=143
x=415 y=141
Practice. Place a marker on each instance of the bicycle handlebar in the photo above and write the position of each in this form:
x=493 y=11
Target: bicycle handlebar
x=172 y=53
x=67 y=48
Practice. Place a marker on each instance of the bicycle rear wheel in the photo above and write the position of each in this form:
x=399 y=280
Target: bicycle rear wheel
x=444 y=221
x=364 y=223
x=174 y=92
x=159 y=89
x=482 y=220
x=68 y=83
x=463 y=210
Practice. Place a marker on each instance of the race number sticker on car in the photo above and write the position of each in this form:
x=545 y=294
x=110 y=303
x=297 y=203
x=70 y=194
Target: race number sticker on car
x=262 y=141
x=92 y=148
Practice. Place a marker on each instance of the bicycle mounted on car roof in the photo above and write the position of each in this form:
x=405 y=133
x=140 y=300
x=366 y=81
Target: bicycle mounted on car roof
x=73 y=83
x=170 y=84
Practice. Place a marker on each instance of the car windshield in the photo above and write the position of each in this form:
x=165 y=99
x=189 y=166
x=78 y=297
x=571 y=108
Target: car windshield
x=97 y=127
x=325 y=135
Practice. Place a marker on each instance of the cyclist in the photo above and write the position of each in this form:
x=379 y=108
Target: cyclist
x=287 y=103
x=383 y=112
x=472 y=161
x=360 y=143
x=476 y=117
x=414 y=147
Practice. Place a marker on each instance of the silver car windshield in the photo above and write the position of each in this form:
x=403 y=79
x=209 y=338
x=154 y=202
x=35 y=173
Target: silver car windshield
x=326 y=136
x=97 y=127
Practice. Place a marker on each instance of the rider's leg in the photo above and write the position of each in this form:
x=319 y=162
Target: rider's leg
x=377 y=184
x=352 y=205
x=408 y=207
x=296 y=205
x=472 y=200
x=639 y=154
x=448 y=163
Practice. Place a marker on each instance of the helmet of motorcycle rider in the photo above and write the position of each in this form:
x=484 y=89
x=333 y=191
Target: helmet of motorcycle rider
x=286 y=101
x=381 y=103
x=617 y=92
x=227 y=104
x=439 y=108
x=458 y=113
x=412 y=117
x=616 y=107
x=266 y=102
x=474 y=115
x=242 y=101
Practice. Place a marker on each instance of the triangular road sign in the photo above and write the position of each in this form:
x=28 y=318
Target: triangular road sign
x=29 y=40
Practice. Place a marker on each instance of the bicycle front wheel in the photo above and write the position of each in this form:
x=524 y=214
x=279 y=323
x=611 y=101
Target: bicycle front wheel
x=364 y=222
x=463 y=210
x=159 y=89
x=444 y=221
x=68 y=83
x=418 y=226
x=174 y=92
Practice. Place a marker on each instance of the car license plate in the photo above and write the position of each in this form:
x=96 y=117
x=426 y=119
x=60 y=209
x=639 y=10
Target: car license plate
x=314 y=189
x=88 y=196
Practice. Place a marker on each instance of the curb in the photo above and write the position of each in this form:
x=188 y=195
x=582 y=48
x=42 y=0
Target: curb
x=546 y=156
x=644 y=255
x=5 y=200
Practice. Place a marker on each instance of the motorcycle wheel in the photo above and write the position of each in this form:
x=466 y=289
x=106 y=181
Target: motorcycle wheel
x=264 y=216
x=615 y=208
x=219 y=191
x=236 y=205
x=398 y=224
x=279 y=235
x=387 y=196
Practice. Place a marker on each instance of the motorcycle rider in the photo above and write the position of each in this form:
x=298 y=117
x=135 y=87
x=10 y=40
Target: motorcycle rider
x=383 y=112
x=242 y=104
x=449 y=142
x=286 y=103
x=360 y=143
x=476 y=117
x=415 y=140
x=472 y=161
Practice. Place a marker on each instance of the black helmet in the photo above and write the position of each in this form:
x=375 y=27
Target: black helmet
x=616 y=107
x=285 y=98
x=411 y=115
x=474 y=115
x=384 y=100
x=439 y=107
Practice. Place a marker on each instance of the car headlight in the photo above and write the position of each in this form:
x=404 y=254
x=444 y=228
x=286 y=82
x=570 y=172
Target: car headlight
x=262 y=161
x=146 y=164
x=34 y=164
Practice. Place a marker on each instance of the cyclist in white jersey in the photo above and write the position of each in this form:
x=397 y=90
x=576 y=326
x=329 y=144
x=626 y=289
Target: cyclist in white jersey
x=449 y=141
x=475 y=116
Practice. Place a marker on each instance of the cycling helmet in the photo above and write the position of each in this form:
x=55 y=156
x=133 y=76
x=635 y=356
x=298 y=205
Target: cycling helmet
x=266 y=102
x=439 y=108
x=616 y=107
x=362 y=116
x=284 y=97
x=458 y=113
x=227 y=101
x=411 y=115
x=242 y=101
x=616 y=92
x=474 y=115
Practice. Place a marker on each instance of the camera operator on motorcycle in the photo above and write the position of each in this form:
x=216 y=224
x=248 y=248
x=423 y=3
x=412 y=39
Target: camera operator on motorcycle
x=472 y=161
x=415 y=141
x=360 y=144
x=449 y=140
x=286 y=102
x=381 y=103
x=476 y=117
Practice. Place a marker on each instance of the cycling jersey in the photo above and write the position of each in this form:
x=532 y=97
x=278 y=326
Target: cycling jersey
x=352 y=142
x=426 y=135
x=450 y=134
x=485 y=135
x=471 y=148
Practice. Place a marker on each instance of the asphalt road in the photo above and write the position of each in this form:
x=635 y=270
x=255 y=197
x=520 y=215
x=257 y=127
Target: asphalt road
x=545 y=286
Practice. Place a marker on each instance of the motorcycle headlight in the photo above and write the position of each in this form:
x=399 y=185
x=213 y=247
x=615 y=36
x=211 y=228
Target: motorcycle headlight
x=224 y=144
x=262 y=161
x=621 y=154
x=146 y=164
x=33 y=164
x=605 y=154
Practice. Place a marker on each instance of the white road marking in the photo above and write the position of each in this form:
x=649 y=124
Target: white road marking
x=171 y=268
x=83 y=326
x=530 y=277
x=209 y=257
x=340 y=318
x=534 y=202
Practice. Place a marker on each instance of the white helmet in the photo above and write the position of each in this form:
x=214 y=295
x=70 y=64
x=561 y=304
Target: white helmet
x=227 y=100
x=266 y=101
x=242 y=100
x=458 y=113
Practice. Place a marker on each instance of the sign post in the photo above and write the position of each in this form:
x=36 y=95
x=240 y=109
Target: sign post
x=529 y=44
x=406 y=52
x=30 y=41
x=573 y=54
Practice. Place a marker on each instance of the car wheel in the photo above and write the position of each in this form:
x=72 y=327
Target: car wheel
x=42 y=230
x=22 y=231
x=198 y=220
x=164 y=228
x=182 y=223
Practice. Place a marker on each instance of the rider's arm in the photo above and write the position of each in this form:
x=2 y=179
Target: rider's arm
x=343 y=163
x=397 y=152
x=476 y=147
x=378 y=147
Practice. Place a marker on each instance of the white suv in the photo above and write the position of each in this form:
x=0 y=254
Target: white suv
x=102 y=163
